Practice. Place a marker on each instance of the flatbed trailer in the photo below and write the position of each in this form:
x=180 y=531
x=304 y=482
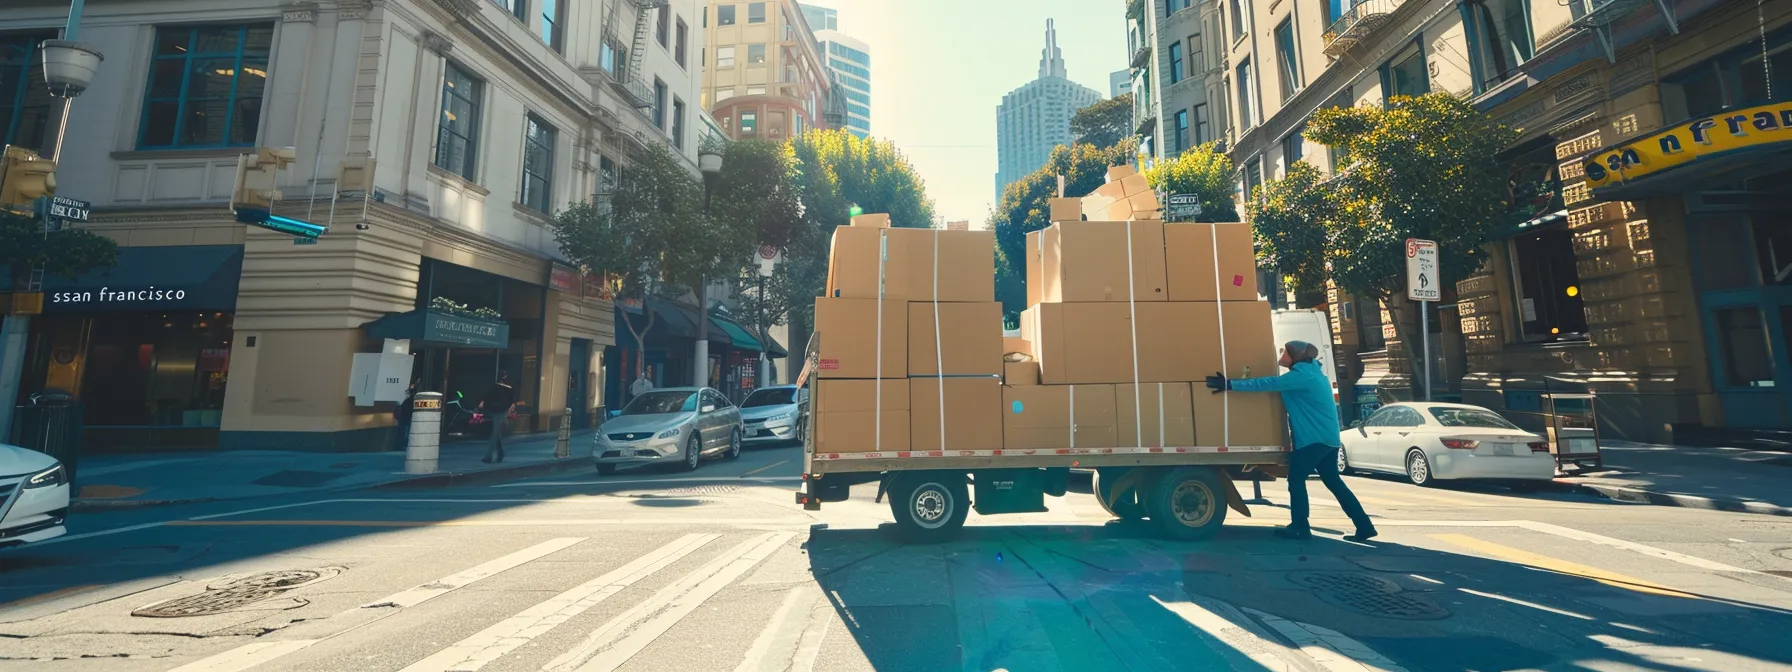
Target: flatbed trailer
x=1185 y=492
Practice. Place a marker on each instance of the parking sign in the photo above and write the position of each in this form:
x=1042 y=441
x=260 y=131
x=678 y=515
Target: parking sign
x=1422 y=283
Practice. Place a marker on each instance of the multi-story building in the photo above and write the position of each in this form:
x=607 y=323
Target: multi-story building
x=1035 y=118
x=1177 y=50
x=849 y=59
x=1119 y=83
x=1644 y=261
x=435 y=138
x=764 y=75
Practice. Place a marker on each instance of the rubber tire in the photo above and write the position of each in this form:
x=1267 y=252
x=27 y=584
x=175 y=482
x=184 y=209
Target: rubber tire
x=606 y=470
x=1163 y=501
x=948 y=488
x=733 y=445
x=1427 y=480
x=693 y=453
x=1126 y=508
x=1343 y=463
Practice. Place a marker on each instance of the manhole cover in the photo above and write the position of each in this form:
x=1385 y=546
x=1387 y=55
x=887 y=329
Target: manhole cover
x=235 y=593
x=1368 y=594
x=293 y=478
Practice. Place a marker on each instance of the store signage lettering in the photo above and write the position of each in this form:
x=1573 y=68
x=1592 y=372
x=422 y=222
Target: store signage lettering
x=453 y=329
x=470 y=328
x=109 y=295
x=1684 y=143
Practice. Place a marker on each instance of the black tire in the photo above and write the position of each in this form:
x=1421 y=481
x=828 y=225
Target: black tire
x=606 y=470
x=733 y=445
x=1128 y=506
x=1187 y=503
x=1344 y=463
x=693 y=452
x=1418 y=469
x=929 y=506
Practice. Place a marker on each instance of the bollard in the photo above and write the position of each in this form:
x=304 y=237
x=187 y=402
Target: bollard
x=424 y=445
x=563 y=442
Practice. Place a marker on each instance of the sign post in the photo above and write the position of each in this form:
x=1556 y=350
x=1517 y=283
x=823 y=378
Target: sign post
x=1183 y=208
x=1423 y=286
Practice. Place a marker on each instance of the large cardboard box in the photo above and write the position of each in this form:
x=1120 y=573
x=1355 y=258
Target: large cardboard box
x=1121 y=172
x=881 y=220
x=1022 y=346
x=1041 y=417
x=851 y=416
x=1144 y=201
x=1178 y=341
x=1035 y=255
x=1134 y=184
x=1020 y=373
x=1251 y=347
x=1118 y=211
x=1112 y=191
x=858 y=257
x=1154 y=414
x=1189 y=254
x=1067 y=209
x=849 y=338
x=1256 y=419
x=1080 y=342
x=901 y=262
x=1089 y=261
x=973 y=408
x=969 y=339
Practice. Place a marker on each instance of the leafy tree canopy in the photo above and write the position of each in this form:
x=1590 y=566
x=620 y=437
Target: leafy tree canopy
x=66 y=253
x=1201 y=171
x=1105 y=123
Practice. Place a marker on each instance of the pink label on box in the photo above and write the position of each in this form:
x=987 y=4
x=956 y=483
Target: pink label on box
x=1237 y=281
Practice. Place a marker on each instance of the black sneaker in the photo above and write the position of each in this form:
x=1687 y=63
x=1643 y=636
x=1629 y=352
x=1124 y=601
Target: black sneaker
x=1361 y=535
x=1293 y=533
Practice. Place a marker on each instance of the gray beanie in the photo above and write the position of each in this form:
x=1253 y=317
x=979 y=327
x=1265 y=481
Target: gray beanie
x=1301 y=351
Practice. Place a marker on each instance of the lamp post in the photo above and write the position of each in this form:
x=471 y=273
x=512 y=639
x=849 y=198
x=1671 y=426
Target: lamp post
x=766 y=263
x=710 y=162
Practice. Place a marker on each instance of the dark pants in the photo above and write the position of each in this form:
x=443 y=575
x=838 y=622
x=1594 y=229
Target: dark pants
x=500 y=426
x=1323 y=459
x=402 y=435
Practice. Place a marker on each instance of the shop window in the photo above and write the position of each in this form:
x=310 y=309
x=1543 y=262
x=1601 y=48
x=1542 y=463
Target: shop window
x=457 y=138
x=749 y=123
x=25 y=100
x=205 y=86
x=1742 y=337
x=1404 y=74
x=154 y=369
x=538 y=165
x=1500 y=39
x=1549 y=306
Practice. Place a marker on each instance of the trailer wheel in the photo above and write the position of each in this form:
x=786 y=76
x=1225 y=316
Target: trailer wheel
x=929 y=506
x=1187 y=504
x=1129 y=506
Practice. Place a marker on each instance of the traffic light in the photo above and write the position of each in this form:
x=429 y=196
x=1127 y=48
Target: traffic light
x=24 y=178
x=257 y=182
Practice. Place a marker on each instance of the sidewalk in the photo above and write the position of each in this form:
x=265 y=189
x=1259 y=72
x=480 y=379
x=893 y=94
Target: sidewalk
x=149 y=479
x=1723 y=479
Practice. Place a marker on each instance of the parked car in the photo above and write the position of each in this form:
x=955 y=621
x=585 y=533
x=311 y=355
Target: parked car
x=33 y=496
x=1429 y=442
x=775 y=414
x=680 y=424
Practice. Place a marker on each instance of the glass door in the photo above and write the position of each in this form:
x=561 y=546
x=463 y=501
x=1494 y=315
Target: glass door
x=1743 y=268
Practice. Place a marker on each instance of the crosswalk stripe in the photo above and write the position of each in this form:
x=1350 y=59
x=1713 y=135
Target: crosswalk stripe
x=1332 y=650
x=250 y=655
x=626 y=635
x=507 y=635
x=781 y=646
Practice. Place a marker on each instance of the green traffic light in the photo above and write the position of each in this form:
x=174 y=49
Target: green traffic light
x=855 y=211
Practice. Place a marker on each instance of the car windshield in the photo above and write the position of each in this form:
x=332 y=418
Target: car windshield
x=1469 y=417
x=654 y=403
x=776 y=396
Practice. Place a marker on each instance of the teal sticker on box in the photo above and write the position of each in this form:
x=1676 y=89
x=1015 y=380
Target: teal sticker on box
x=1017 y=407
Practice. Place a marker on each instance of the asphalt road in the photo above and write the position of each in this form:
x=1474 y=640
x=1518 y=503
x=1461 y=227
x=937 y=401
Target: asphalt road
x=720 y=570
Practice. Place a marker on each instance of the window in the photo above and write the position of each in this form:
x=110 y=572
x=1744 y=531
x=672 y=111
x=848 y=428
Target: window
x=1238 y=21
x=516 y=8
x=1469 y=417
x=1202 y=132
x=205 y=86
x=724 y=94
x=1742 y=337
x=749 y=123
x=1293 y=148
x=457 y=138
x=606 y=175
x=1287 y=64
x=1732 y=80
x=1549 y=302
x=677 y=123
x=663 y=26
x=549 y=29
x=755 y=54
x=538 y=165
x=1197 y=56
x=1245 y=118
x=613 y=58
x=1405 y=74
x=755 y=90
x=1253 y=176
x=755 y=12
x=1175 y=62
x=1500 y=39
x=681 y=36
x=724 y=57
x=25 y=100
x=659 y=103
x=774 y=125
x=724 y=15
x=1181 y=130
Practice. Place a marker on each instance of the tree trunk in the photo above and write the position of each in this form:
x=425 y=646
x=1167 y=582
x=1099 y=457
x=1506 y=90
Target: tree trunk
x=640 y=343
x=1401 y=312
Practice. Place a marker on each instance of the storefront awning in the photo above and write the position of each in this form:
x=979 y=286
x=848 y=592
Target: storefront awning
x=1689 y=155
x=177 y=277
x=743 y=339
x=672 y=320
x=441 y=329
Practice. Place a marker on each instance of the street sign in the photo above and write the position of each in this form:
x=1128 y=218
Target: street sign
x=70 y=209
x=1183 y=208
x=1422 y=282
x=301 y=240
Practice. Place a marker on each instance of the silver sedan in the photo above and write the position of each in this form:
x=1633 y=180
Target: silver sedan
x=680 y=424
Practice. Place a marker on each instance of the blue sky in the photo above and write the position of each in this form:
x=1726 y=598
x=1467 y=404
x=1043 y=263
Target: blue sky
x=940 y=67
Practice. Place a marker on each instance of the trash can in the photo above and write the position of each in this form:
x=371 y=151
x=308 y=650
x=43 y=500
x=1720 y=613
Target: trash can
x=50 y=424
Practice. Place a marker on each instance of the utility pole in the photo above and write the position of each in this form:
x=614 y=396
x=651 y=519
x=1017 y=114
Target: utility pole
x=710 y=163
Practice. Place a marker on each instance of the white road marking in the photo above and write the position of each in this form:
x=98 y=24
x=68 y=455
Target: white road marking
x=793 y=635
x=1522 y=603
x=626 y=635
x=774 y=464
x=657 y=481
x=101 y=533
x=1739 y=541
x=507 y=635
x=1332 y=650
x=1426 y=579
x=1231 y=632
x=251 y=655
x=1588 y=537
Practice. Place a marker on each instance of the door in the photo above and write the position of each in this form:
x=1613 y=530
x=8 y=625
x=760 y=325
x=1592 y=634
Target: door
x=578 y=383
x=1398 y=436
x=1362 y=447
x=1742 y=264
x=715 y=420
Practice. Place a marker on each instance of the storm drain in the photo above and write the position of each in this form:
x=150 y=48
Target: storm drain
x=233 y=594
x=1368 y=594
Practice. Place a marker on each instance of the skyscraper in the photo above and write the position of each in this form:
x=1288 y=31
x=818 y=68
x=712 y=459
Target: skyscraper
x=1036 y=117
x=850 y=61
x=1119 y=82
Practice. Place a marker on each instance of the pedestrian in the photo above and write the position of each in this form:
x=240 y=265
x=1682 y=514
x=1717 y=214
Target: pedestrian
x=1313 y=417
x=643 y=383
x=497 y=405
x=402 y=415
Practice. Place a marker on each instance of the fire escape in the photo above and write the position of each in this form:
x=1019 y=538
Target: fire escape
x=1599 y=15
x=632 y=85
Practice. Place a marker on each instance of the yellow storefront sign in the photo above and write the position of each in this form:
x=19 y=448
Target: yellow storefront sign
x=1683 y=143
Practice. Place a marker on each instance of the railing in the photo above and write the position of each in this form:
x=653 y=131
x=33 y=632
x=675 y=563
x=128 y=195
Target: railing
x=638 y=93
x=1357 y=23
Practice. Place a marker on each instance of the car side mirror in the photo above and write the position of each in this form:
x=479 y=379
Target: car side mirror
x=1356 y=424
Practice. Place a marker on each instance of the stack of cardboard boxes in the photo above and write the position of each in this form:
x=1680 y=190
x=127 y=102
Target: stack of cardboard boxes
x=910 y=341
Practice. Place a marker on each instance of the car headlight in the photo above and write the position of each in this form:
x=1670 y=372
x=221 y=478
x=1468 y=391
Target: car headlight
x=46 y=478
x=670 y=433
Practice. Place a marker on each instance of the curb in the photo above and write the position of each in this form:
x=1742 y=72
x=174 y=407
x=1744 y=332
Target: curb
x=1638 y=496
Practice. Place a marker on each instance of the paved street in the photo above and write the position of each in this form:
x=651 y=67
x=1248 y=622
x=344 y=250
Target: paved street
x=720 y=570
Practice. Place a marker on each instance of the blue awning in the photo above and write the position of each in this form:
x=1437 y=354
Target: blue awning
x=178 y=277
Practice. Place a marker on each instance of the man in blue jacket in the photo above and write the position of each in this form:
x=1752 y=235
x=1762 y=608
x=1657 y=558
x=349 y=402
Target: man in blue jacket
x=1313 y=417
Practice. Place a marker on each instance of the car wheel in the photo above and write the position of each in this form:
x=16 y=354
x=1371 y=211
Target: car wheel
x=1343 y=462
x=606 y=470
x=733 y=444
x=1418 y=469
x=693 y=452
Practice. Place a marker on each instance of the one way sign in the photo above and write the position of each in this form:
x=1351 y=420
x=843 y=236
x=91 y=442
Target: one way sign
x=1422 y=283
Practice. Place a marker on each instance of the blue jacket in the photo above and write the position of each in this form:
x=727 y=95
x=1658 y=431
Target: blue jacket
x=1312 y=413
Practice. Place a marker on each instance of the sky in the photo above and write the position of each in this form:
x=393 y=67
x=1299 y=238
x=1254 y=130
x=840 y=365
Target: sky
x=939 y=68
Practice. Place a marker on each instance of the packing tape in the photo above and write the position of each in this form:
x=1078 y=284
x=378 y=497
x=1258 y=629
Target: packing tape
x=1132 y=309
x=1161 y=439
x=1072 y=416
x=877 y=422
x=1219 y=306
x=939 y=357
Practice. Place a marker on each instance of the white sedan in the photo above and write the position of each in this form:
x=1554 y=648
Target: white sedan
x=1428 y=442
x=33 y=496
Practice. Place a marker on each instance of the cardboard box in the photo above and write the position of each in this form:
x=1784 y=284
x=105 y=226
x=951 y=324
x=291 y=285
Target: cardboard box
x=1121 y=172
x=1178 y=341
x=1144 y=201
x=854 y=261
x=849 y=338
x=1022 y=346
x=1040 y=417
x=881 y=220
x=1095 y=207
x=1035 y=266
x=850 y=418
x=1190 y=255
x=1135 y=184
x=1020 y=373
x=1152 y=215
x=1112 y=191
x=1093 y=342
x=969 y=339
x=1156 y=415
x=973 y=408
x=1251 y=347
x=1067 y=209
x=1088 y=261
x=906 y=257
x=1119 y=211
x=1256 y=419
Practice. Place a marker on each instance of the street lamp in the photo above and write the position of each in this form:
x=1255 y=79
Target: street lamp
x=69 y=67
x=709 y=160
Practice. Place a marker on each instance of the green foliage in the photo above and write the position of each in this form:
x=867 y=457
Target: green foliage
x=1105 y=123
x=66 y=253
x=1201 y=171
x=1290 y=219
x=649 y=235
x=756 y=192
x=1026 y=207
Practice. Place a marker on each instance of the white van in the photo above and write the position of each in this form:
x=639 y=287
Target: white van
x=1312 y=326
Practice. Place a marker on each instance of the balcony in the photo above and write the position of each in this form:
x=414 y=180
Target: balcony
x=1357 y=24
x=636 y=92
x=1599 y=15
x=1141 y=54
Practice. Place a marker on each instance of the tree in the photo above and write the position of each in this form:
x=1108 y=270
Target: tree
x=1201 y=171
x=1105 y=123
x=1026 y=207
x=65 y=253
x=1290 y=219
